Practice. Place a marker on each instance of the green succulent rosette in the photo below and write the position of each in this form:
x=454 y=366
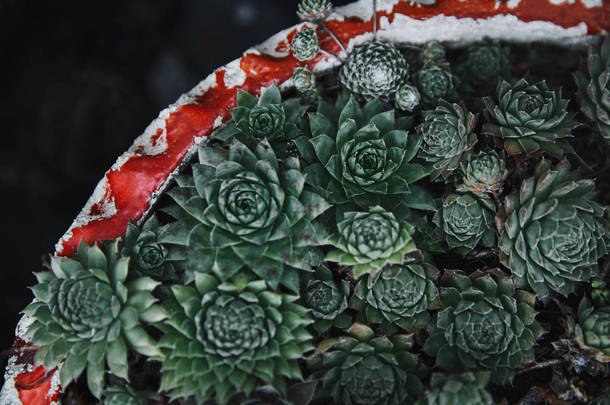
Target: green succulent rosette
x=374 y=70
x=481 y=65
x=304 y=80
x=125 y=395
x=247 y=209
x=305 y=44
x=446 y=138
x=600 y=293
x=458 y=389
x=484 y=173
x=529 y=118
x=364 y=369
x=149 y=257
x=314 y=10
x=369 y=240
x=485 y=324
x=87 y=315
x=225 y=337
x=435 y=83
x=592 y=329
x=407 y=98
x=361 y=155
x=326 y=299
x=466 y=221
x=433 y=52
x=594 y=88
x=267 y=117
x=402 y=296
x=551 y=232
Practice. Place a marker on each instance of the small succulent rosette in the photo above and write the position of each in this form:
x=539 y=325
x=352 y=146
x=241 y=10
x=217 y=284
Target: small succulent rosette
x=314 y=10
x=364 y=368
x=483 y=173
x=305 y=44
x=481 y=65
x=458 y=389
x=591 y=329
x=327 y=299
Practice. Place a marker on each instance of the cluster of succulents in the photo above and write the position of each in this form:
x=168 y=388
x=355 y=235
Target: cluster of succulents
x=324 y=241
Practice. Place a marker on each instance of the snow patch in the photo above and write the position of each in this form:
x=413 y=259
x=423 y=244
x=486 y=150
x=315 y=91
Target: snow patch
x=234 y=75
x=592 y=3
x=217 y=121
x=510 y=3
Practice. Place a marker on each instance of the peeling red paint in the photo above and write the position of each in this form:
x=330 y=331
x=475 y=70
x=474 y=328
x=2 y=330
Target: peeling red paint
x=34 y=387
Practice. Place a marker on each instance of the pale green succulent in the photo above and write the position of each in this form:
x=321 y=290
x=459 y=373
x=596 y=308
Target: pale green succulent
x=407 y=98
x=326 y=299
x=305 y=44
x=87 y=315
x=592 y=329
x=485 y=324
x=458 y=389
x=364 y=369
x=226 y=337
x=551 y=232
x=369 y=240
x=483 y=173
x=314 y=10
x=304 y=80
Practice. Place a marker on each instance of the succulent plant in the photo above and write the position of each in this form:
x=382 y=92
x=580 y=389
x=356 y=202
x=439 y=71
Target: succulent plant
x=600 y=293
x=364 y=369
x=304 y=80
x=551 y=232
x=594 y=88
x=87 y=315
x=483 y=173
x=466 y=221
x=359 y=154
x=374 y=70
x=265 y=395
x=370 y=240
x=481 y=65
x=305 y=44
x=147 y=256
x=125 y=395
x=401 y=296
x=407 y=97
x=247 y=210
x=529 y=118
x=435 y=83
x=447 y=138
x=592 y=329
x=484 y=325
x=433 y=52
x=314 y=10
x=267 y=117
x=223 y=337
x=326 y=299
x=458 y=389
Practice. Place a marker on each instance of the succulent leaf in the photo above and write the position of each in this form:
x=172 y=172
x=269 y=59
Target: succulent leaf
x=465 y=388
x=592 y=330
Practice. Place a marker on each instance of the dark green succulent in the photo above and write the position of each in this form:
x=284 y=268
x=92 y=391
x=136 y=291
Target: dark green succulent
x=223 y=337
x=434 y=52
x=485 y=324
x=447 y=137
x=551 y=232
x=407 y=98
x=374 y=70
x=364 y=369
x=305 y=44
x=314 y=10
x=592 y=329
x=466 y=221
x=594 y=88
x=370 y=240
x=402 y=296
x=481 y=65
x=247 y=209
x=360 y=154
x=148 y=256
x=600 y=293
x=435 y=83
x=529 y=118
x=125 y=395
x=326 y=299
x=87 y=315
x=458 y=389
x=484 y=173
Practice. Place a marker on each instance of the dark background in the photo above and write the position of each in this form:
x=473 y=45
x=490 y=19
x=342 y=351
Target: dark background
x=79 y=81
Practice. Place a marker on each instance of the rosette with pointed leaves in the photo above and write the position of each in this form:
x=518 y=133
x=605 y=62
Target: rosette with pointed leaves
x=148 y=256
x=459 y=389
x=125 y=395
x=267 y=117
x=364 y=369
x=304 y=80
x=594 y=88
x=314 y=10
x=370 y=240
x=247 y=209
x=87 y=315
x=433 y=52
x=305 y=44
x=481 y=65
x=435 y=82
x=483 y=173
x=401 y=296
x=265 y=395
x=529 y=118
x=326 y=299
x=223 y=337
x=360 y=154
x=484 y=325
x=592 y=329
x=407 y=97
x=447 y=137
x=374 y=70
x=551 y=232
x=466 y=221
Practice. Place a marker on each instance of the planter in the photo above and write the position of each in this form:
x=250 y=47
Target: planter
x=135 y=184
